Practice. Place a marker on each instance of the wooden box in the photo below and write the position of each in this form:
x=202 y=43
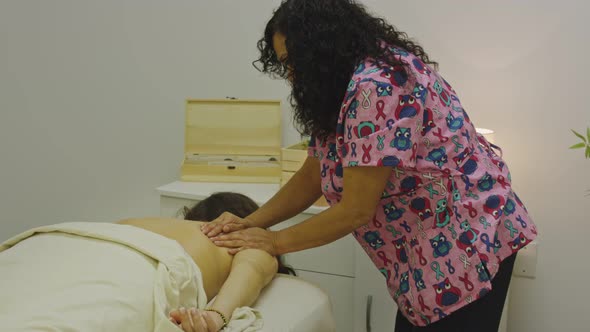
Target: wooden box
x=292 y=158
x=232 y=141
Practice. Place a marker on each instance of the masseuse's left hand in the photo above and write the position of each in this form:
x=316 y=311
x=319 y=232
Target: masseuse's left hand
x=250 y=238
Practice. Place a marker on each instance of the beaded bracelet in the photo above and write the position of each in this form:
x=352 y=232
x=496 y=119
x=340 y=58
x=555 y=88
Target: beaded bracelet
x=221 y=315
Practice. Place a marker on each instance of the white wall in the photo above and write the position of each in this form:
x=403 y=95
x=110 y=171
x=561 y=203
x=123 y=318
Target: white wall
x=92 y=99
x=92 y=93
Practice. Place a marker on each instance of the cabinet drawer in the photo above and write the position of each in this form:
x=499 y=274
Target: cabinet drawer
x=334 y=258
x=340 y=291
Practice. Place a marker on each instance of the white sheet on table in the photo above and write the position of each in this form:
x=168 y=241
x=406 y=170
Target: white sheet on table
x=291 y=304
x=95 y=277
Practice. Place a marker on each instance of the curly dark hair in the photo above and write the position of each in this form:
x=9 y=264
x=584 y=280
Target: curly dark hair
x=326 y=40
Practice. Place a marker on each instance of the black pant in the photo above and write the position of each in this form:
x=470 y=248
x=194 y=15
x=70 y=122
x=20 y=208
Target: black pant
x=482 y=315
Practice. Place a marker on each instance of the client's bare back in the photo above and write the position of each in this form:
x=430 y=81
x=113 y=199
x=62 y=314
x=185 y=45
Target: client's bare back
x=214 y=262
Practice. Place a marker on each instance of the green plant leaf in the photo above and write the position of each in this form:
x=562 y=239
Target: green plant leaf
x=579 y=135
x=578 y=146
x=587 y=151
x=588 y=133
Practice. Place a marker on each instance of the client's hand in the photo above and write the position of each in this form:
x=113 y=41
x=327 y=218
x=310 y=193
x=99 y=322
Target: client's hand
x=196 y=320
x=251 y=238
x=225 y=223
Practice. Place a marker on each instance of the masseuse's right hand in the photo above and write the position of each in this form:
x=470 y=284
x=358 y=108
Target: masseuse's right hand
x=225 y=223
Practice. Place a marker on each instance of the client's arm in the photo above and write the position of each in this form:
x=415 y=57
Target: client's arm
x=251 y=271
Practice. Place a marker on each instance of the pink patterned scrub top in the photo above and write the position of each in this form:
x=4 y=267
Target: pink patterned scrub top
x=448 y=215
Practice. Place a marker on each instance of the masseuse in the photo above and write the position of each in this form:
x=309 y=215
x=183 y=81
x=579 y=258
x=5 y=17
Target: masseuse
x=400 y=163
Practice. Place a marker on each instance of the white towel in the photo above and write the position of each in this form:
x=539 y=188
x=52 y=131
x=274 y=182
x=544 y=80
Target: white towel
x=245 y=319
x=97 y=277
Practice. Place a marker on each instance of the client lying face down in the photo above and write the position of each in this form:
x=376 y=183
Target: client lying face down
x=131 y=270
x=234 y=289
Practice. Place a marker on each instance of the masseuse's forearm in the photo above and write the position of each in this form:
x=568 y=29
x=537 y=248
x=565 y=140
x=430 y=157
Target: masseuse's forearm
x=302 y=190
x=326 y=227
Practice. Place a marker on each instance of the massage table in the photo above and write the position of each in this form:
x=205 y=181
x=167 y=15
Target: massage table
x=292 y=304
x=104 y=277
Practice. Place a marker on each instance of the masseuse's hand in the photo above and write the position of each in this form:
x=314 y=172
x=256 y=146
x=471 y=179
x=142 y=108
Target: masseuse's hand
x=250 y=238
x=225 y=223
x=196 y=320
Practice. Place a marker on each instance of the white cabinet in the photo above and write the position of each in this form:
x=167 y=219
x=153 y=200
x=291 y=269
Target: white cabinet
x=331 y=267
x=374 y=308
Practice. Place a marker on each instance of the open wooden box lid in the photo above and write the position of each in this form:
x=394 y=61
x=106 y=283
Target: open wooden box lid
x=235 y=138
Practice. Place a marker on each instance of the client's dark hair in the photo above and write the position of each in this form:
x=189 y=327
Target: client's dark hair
x=234 y=203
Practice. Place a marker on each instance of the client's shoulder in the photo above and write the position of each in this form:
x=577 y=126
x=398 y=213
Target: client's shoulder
x=155 y=221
